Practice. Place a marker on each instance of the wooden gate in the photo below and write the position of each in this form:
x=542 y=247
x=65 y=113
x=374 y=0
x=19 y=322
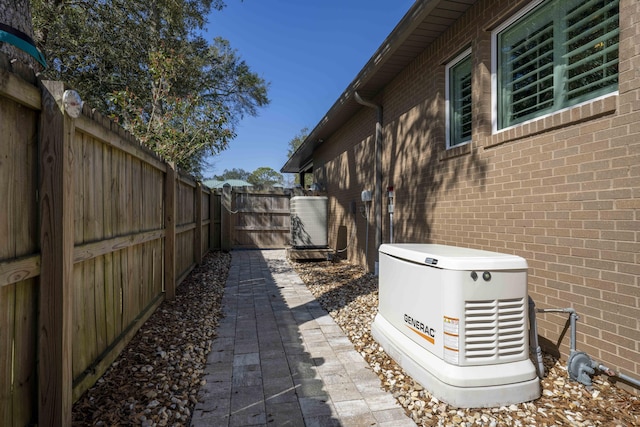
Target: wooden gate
x=254 y=218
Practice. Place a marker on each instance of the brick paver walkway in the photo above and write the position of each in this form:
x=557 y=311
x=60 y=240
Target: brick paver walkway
x=279 y=359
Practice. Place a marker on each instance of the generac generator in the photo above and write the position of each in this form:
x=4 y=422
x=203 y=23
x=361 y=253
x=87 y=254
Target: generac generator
x=456 y=320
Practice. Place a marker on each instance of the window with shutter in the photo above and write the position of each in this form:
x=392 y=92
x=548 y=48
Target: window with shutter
x=458 y=96
x=558 y=54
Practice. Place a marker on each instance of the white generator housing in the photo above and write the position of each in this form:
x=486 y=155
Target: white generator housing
x=456 y=320
x=309 y=221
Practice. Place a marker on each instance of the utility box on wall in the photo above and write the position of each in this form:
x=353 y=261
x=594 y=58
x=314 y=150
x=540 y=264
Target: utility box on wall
x=456 y=319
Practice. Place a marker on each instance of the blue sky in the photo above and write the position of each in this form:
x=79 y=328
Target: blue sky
x=309 y=51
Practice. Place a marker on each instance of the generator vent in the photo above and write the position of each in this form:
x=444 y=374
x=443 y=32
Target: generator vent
x=495 y=330
x=309 y=222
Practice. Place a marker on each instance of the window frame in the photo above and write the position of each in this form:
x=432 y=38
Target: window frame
x=463 y=56
x=495 y=98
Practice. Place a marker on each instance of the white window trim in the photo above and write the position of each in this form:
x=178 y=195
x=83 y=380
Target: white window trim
x=494 y=64
x=447 y=95
x=494 y=75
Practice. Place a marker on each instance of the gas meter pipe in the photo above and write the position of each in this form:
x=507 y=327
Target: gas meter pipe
x=580 y=366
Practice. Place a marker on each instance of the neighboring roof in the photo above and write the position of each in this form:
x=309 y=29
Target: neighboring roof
x=212 y=183
x=420 y=26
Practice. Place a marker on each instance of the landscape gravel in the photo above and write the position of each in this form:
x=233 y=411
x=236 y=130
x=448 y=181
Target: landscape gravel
x=156 y=379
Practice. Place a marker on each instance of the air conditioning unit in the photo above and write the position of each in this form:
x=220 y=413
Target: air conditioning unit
x=309 y=221
x=456 y=320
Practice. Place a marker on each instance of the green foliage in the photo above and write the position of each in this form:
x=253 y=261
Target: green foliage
x=265 y=177
x=179 y=128
x=294 y=144
x=233 y=174
x=143 y=64
x=297 y=141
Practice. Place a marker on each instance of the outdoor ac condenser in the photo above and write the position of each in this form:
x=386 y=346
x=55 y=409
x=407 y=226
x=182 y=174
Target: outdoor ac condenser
x=309 y=221
x=456 y=320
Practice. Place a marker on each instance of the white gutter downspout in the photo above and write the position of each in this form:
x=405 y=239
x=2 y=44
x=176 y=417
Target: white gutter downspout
x=378 y=171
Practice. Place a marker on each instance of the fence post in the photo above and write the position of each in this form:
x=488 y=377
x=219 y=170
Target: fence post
x=225 y=218
x=170 y=232
x=213 y=217
x=197 y=241
x=55 y=375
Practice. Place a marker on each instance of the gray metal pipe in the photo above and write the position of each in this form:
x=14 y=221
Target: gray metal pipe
x=573 y=317
x=534 y=346
x=620 y=375
x=378 y=168
x=580 y=366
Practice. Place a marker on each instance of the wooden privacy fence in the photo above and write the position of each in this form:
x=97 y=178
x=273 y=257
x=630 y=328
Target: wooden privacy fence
x=255 y=218
x=95 y=232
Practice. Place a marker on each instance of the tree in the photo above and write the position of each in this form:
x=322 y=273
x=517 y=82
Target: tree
x=143 y=64
x=294 y=144
x=182 y=129
x=266 y=177
x=297 y=141
x=233 y=174
x=16 y=15
x=102 y=47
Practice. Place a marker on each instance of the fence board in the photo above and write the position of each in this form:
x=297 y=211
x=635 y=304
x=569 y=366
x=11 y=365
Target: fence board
x=118 y=296
x=101 y=306
x=16 y=89
x=19 y=269
x=25 y=183
x=80 y=354
x=136 y=195
x=215 y=231
x=26 y=345
x=120 y=198
x=129 y=300
x=95 y=249
x=92 y=173
x=7 y=320
x=78 y=199
x=197 y=235
x=8 y=175
x=109 y=300
x=170 y=238
x=107 y=192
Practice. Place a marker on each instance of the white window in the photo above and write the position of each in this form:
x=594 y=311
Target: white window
x=458 y=100
x=554 y=55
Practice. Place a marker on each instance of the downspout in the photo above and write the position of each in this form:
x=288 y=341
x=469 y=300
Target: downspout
x=378 y=171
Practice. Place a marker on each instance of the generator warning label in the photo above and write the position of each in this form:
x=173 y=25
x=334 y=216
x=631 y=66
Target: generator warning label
x=451 y=339
x=420 y=328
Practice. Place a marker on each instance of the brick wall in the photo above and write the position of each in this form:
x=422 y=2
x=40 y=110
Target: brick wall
x=562 y=192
